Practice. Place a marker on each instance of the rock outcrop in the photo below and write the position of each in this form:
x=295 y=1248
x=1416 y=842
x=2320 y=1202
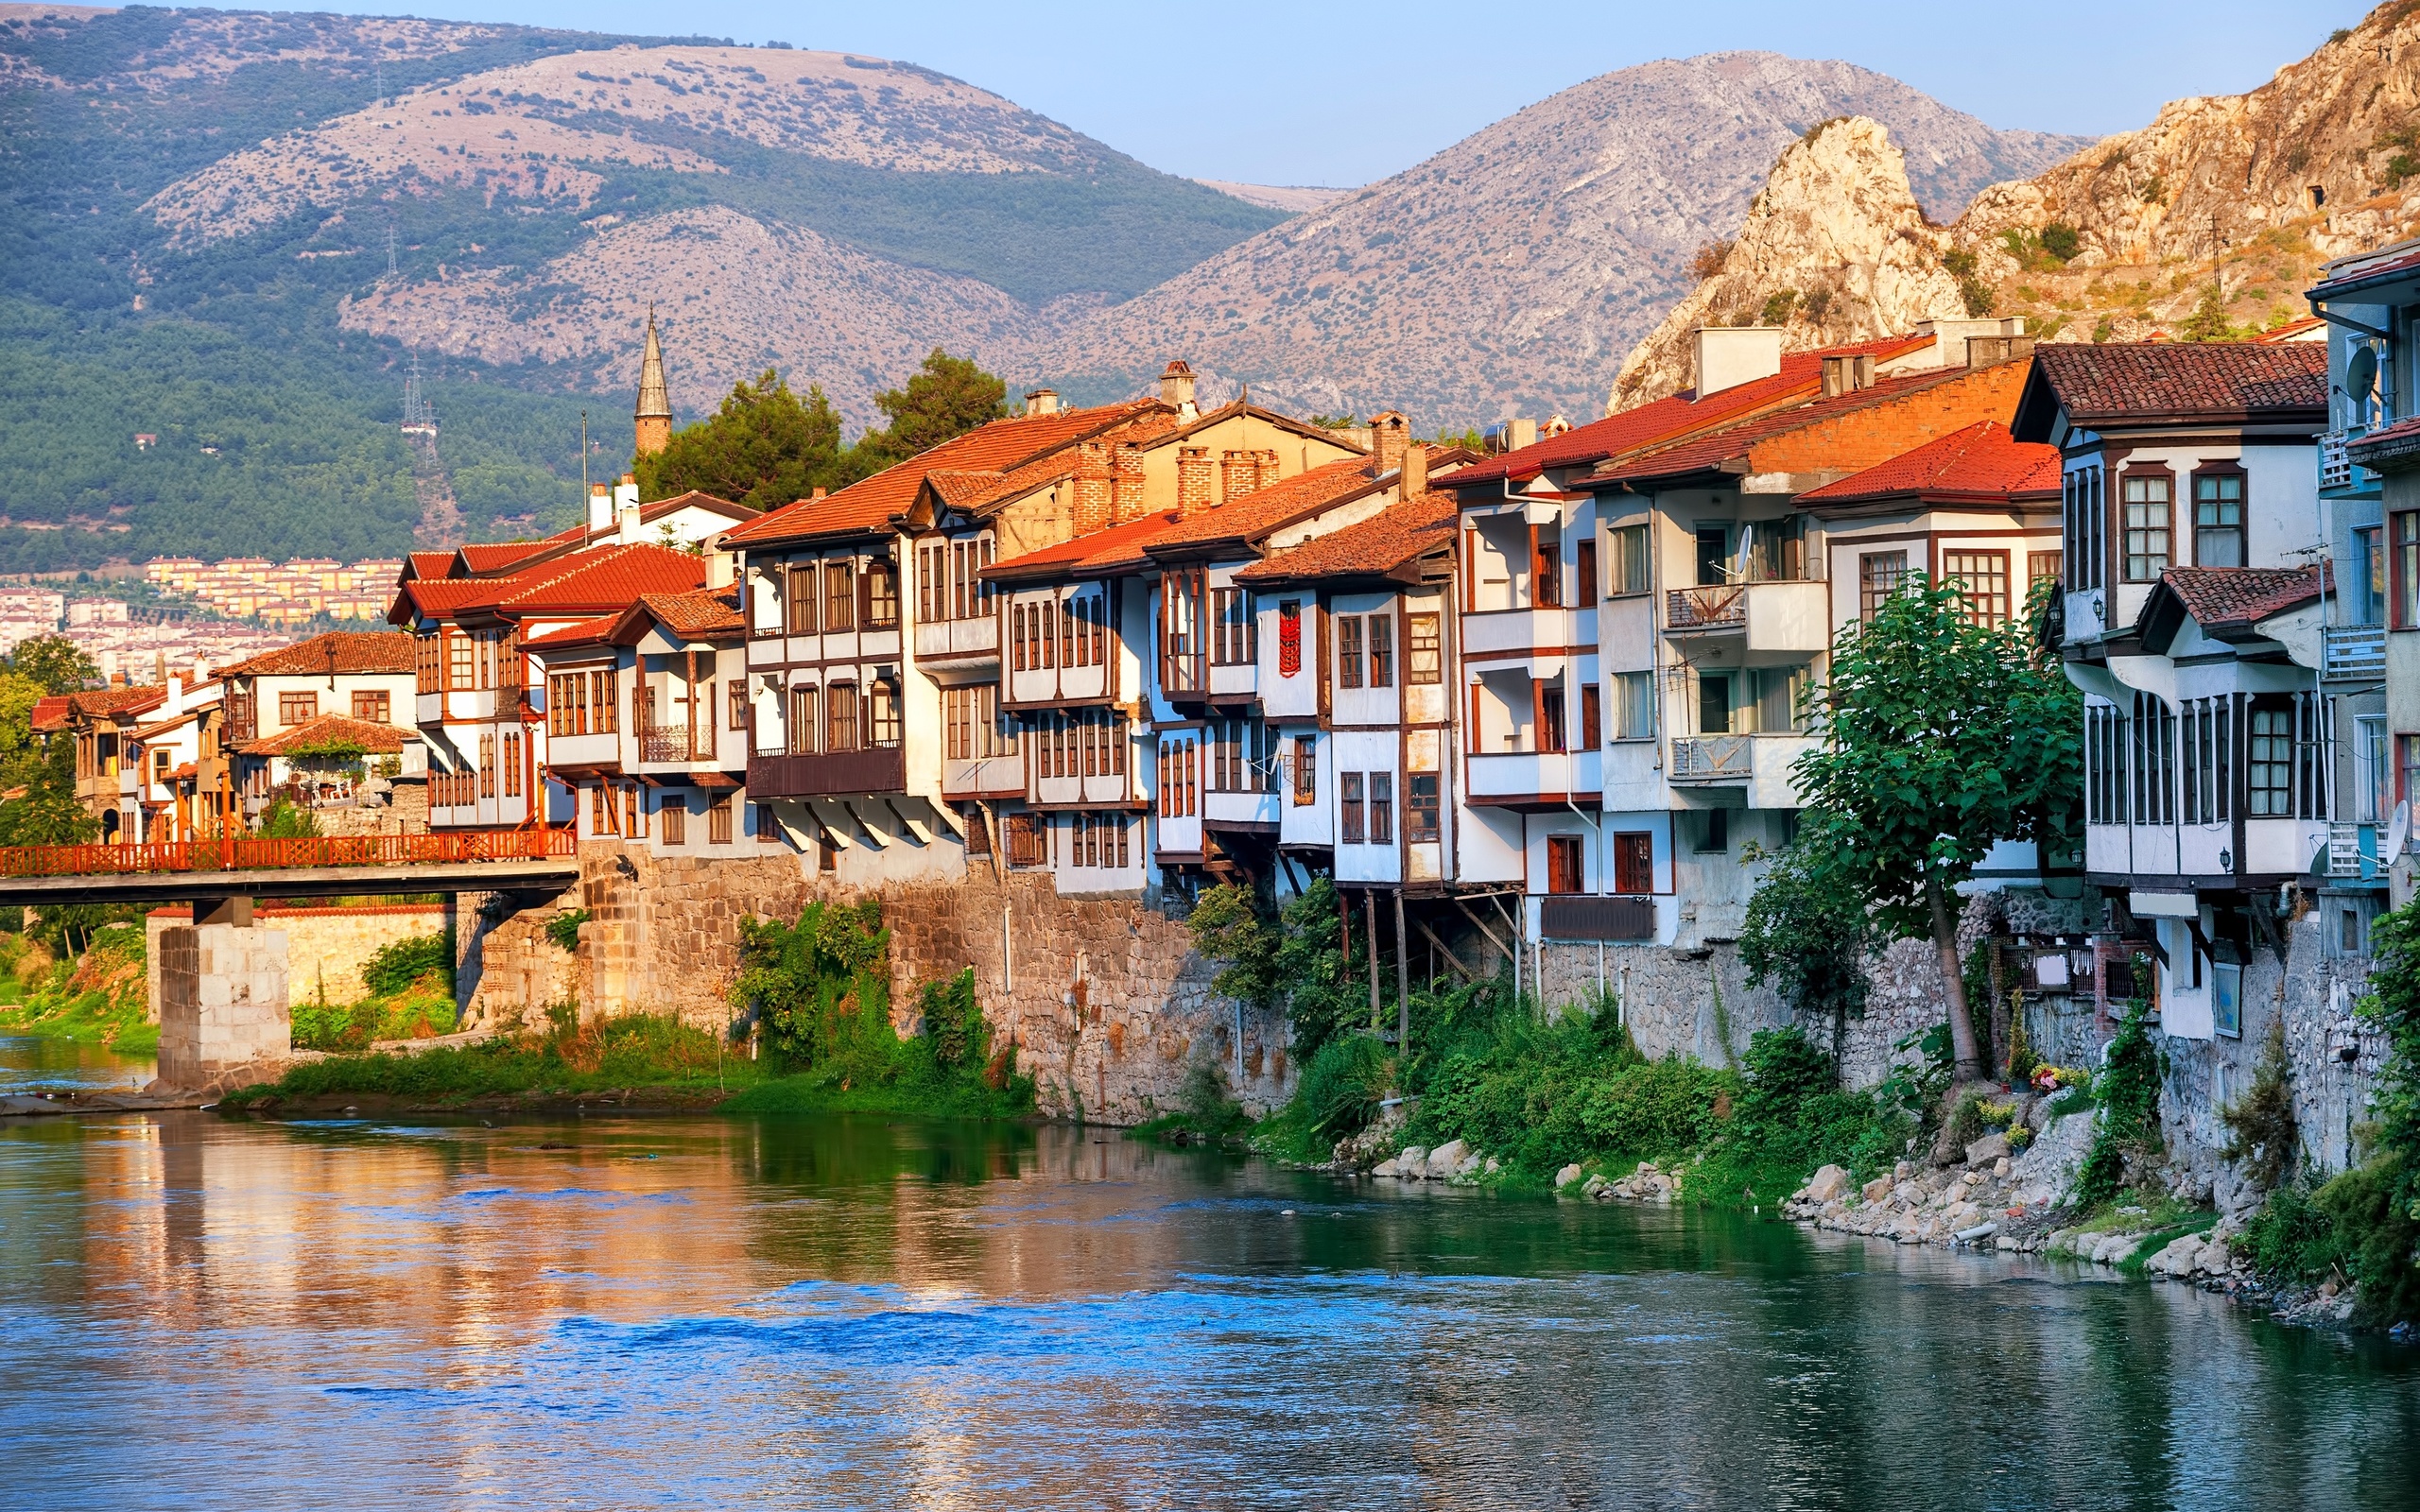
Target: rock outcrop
x=1834 y=250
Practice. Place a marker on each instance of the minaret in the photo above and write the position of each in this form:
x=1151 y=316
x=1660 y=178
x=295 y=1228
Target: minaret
x=653 y=418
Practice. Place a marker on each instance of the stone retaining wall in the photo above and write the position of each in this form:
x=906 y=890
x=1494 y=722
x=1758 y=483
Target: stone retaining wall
x=325 y=948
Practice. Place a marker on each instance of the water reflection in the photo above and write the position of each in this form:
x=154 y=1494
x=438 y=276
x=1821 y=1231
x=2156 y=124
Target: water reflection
x=879 y=1313
x=34 y=1063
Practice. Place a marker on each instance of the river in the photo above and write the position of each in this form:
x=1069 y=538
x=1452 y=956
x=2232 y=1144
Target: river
x=854 y=1311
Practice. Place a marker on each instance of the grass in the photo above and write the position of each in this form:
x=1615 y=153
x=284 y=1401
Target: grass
x=100 y=998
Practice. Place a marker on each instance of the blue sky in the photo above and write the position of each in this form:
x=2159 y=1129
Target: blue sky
x=1312 y=91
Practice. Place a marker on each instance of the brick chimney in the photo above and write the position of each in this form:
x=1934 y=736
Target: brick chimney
x=1091 y=492
x=1389 y=433
x=600 y=507
x=1239 y=475
x=1415 y=470
x=1196 y=485
x=1268 y=467
x=1176 y=388
x=1125 y=482
x=1042 y=402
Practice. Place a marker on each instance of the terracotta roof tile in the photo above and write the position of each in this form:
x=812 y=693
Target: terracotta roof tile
x=102 y=702
x=607 y=577
x=1733 y=443
x=328 y=730
x=2152 y=379
x=2239 y=596
x=1982 y=459
x=586 y=632
x=1074 y=557
x=699 y=615
x=428 y=564
x=495 y=556
x=1379 y=546
x=50 y=713
x=338 y=651
x=1001 y=446
x=1275 y=507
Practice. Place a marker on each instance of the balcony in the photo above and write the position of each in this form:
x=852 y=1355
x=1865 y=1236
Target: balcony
x=967 y=640
x=2353 y=853
x=1536 y=782
x=1712 y=759
x=2353 y=653
x=2338 y=473
x=840 y=774
x=676 y=744
x=1504 y=631
x=1783 y=620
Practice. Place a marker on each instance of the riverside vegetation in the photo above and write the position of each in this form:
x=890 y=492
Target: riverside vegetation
x=812 y=999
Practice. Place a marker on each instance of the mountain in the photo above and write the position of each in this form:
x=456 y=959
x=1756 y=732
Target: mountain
x=2207 y=222
x=1509 y=272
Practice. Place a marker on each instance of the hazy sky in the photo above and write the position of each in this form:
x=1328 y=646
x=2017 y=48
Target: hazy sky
x=1314 y=92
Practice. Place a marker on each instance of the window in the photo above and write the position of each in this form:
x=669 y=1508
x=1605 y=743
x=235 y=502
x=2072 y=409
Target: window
x=2269 y=763
x=1982 y=579
x=840 y=596
x=1714 y=703
x=427 y=667
x=1420 y=807
x=1306 y=770
x=734 y=699
x=2407 y=570
x=560 y=710
x=2364 y=586
x=1289 y=637
x=2041 y=567
x=841 y=717
x=933 y=582
x=1348 y=650
x=673 y=809
x=718 y=820
x=1349 y=807
x=2085 y=528
x=2217 y=520
x=1234 y=638
x=1631 y=569
x=513 y=764
x=486 y=766
x=800 y=596
x=1586 y=573
x=1552 y=736
x=296 y=707
x=1071 y=639
x=768 y=830
x=1382 y=808
x=882 y=720
x=803 y=726
x=827 y=851
x=1424 y=650
x=882 y=594
x=2105 y=763
x=1634 y=706
x=1565 y=864
x=2407 y=769
x=1712 y=831
x=2371 y=779
x=461 y=662
x=1776 y=550
x=604 y=702
x=1592 y=717
x=2203 y=727
x=1634 y=860
x=1382 y=651
x=600 y=812
x=371 y=706
x=1879 y=574
x=2154 y=759
x=1545 y=567
x=2147 y=497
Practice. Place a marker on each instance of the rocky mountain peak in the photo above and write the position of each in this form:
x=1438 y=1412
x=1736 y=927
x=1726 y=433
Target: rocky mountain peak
x=1835 y=249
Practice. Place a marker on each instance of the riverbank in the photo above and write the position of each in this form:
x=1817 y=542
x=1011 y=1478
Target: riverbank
x=97 y=998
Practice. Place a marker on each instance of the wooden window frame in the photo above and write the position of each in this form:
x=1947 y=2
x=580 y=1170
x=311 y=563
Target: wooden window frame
x=2225 y=468
x=2146 y=473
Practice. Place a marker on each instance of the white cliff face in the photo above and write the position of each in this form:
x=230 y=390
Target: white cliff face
x=1834 y=250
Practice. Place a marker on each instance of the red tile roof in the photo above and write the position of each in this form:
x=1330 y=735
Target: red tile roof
x=1282 y=503
x=496 y=555
x=1731 y=444
x=586 y=632
x=1981 y=461
x=103 y=702
x=326 y=731
x=2189 y=380
x=50 y=713
x=1070 y=559
x=699 y=615
x=1383 y=545
x=2239 y=595
x=1000 y=446
x=1668 y=420
x=338 y=651
x=423 y=564
x=592 y=581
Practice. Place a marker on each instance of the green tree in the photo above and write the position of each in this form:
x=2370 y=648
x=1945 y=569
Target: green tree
x=54 y=664
x=1940 y=737
x=1807 y=932
x=947 y=397
x=765 y=447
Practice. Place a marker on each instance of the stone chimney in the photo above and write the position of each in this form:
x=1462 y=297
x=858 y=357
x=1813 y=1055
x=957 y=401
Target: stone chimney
x=1847 y=374
x=1728 y=356
x=1415 y=470
x=1239 y=475
x=1389 y=433
x=723 y=568
x=1042 y=402
x=600 y=507
x=1092 y=491
x=1176 y=388
x=1196 y=482
x=1125 y=482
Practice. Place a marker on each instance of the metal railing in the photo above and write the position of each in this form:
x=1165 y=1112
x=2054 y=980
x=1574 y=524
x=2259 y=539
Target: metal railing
x=2336 y=468
x=1712 y=759
x=251 y=853
x=677 y=743
x=1721 y=606
x=2353 y=650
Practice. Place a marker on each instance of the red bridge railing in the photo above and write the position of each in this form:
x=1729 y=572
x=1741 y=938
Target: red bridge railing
x=249 y=853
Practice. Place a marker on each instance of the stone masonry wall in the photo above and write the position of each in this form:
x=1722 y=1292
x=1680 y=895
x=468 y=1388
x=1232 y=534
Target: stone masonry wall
x=507 y=969
x=1103 y=996
x=325 y=948
x=222 y=1001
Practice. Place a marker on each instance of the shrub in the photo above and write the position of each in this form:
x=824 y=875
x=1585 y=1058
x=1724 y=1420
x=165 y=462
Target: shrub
x=1342 y=1085
x=2062 y=240
x=2128 y=1091
x=2261 y=1123
x=564 y=929
x=395 y=966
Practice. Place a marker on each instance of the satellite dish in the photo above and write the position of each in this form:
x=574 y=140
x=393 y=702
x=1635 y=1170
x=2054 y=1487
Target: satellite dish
x=2399 y=834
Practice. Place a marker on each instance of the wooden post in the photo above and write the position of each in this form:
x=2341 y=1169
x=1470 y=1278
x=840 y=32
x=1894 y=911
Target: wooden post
x=1403 y=981
x=1370 y=923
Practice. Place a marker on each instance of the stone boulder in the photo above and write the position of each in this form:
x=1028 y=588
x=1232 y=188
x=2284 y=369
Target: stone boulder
x=1828 y=1184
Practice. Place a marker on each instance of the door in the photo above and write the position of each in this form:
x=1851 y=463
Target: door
x=1714 y=555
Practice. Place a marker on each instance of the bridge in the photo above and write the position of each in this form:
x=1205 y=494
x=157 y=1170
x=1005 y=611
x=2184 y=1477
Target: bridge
x=223 y=1010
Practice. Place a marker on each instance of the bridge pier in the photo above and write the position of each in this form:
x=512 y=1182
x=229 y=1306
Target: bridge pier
x=223 y=1004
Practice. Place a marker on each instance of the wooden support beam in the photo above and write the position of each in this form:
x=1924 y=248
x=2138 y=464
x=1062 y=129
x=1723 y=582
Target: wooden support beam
x=1481 y=926
x=1448 y=951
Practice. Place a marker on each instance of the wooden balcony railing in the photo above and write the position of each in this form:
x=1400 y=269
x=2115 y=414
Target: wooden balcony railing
x=677 y=743
x=250 y=853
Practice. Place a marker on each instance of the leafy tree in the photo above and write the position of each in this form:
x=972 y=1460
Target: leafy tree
x=765 y=447
x=54 y=664
x=947 y=397
x=1939 y=738
x=1807 y=932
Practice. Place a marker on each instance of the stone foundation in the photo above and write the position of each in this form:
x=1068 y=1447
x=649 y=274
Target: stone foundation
x=223 y=1001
